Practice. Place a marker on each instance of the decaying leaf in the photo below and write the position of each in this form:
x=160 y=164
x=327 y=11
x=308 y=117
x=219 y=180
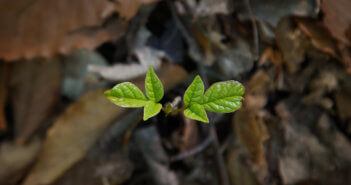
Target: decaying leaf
x=128 y=8
x=239 y=171
x=15 y=158
x=30 y=29
x=272 y=11
x=320 y=37
x=293 y=44
x=149 y=142
x=76 y=78
x=35 y=90
x=147 y=57
x=252 y=132
x=257 y=88
x=76 y=130
x=212 y=7
x=337 y=18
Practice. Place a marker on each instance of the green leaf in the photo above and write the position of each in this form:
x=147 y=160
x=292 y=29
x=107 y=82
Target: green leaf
x=151 y=109
x=224 y=97
x=153 y=86
x=196 y=112
x=126 y=95
x=194 y=92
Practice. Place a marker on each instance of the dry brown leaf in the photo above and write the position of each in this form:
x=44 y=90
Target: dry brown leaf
x=293 y=44
x=319 y=35
x=337 y=18
x=239 y=172
x=128 y=8
x=79 y=127
x=14 y=159
x=252 y=132
x=34 y=91
x=30 y=29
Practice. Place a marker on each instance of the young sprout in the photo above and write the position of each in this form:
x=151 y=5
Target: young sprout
x=221 y=97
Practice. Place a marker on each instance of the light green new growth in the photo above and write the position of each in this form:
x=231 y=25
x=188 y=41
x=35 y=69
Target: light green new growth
x=221 y=97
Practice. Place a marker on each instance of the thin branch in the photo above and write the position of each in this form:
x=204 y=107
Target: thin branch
x=193 y=151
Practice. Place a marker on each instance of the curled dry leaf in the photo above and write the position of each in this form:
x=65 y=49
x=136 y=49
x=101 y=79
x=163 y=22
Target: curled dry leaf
x=78 y=128
x=30 y=29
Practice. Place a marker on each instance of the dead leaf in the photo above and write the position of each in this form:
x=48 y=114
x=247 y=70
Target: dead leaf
x=258 y=87
x=76 y=78
x=118 y=72
x=211 y=7
x=239 y=172
x=149 y=142
x=35 y=90
x=319 y=35
x=30 y=29
x=293 y=44
x=337 y=18
x=252 y=132
x=128 y=8
x=15 y=158
x=272 y=11
x=76 y=130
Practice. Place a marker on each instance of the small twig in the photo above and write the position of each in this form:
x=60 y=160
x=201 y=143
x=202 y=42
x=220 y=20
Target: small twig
x=255 y=30
x=193 y=151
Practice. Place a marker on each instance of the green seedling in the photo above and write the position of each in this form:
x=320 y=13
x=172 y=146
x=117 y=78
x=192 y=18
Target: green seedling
x=221 y=97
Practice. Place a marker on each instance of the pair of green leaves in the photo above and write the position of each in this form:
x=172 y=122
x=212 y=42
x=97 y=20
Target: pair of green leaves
x=222 y=97
x=129 y=95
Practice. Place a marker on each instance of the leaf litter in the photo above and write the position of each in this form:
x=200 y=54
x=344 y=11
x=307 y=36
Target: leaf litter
x=293 y=58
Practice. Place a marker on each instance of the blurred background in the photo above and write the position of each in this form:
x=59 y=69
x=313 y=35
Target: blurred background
x=58 y=56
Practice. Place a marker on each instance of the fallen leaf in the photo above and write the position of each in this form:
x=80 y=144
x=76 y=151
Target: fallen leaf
x=16 y=158
x=337 y=18
x=257 y=89
x=34 y=92
x=272 y=11
x=293 y=44
x=128 y=8
x=31 y=29
x=252 y=132
x=149 y=142
x=240 y=172
x=319 y=35
x=78 y=128
x=118 y=72
x=76 y=78
x=107 y=159
x=211 y=7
